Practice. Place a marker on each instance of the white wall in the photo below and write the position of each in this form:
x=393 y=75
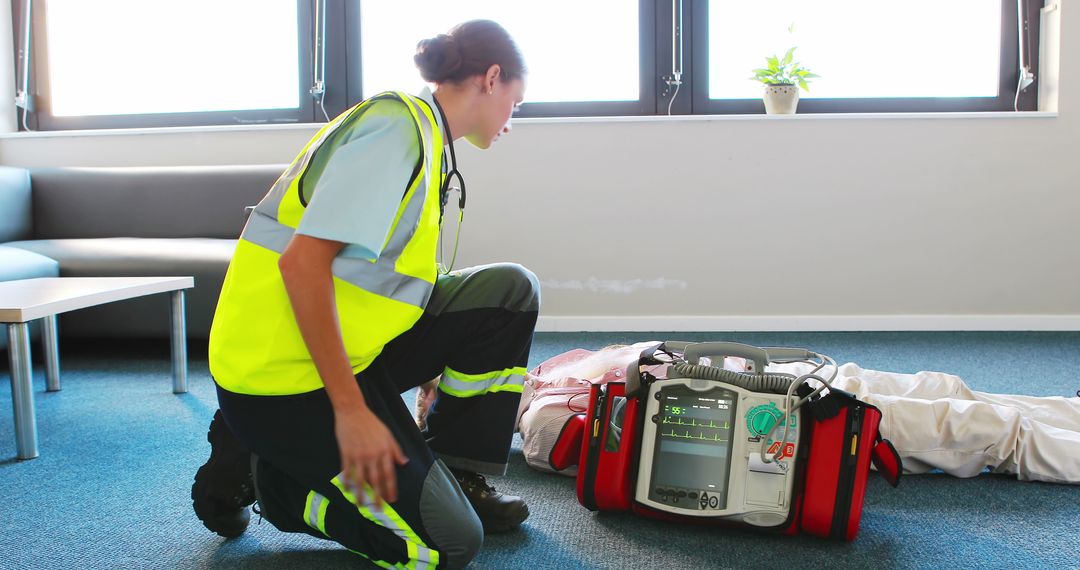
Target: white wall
x=800 y=223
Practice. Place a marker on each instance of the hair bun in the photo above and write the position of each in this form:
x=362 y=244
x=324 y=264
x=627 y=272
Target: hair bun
x=438 y=58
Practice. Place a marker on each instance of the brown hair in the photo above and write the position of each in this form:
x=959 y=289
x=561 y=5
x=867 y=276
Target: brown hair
x=469 y=49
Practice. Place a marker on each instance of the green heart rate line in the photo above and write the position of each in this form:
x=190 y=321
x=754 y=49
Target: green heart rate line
x=694 y=423
x=699 y=437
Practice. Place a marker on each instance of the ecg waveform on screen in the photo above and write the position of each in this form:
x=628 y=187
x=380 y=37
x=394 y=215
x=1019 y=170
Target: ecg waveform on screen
x=706 y=430
x=694 y=423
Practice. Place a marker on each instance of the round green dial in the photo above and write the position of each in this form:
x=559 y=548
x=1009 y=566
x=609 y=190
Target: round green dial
x=761 y=419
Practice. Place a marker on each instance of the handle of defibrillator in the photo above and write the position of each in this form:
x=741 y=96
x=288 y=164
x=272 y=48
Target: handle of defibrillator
x=758 y=356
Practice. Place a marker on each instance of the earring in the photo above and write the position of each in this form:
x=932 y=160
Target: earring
x=491 y=91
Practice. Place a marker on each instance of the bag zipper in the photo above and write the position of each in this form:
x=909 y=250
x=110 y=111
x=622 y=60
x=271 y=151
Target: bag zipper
x=592 y=460
x=846 y=483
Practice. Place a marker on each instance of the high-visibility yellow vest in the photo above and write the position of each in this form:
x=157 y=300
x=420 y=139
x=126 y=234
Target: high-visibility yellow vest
x=255 y=343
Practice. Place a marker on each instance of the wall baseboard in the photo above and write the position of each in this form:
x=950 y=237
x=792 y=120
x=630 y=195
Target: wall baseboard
x=807 y=323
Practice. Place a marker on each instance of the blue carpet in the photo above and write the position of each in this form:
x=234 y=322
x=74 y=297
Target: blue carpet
x=111 y=487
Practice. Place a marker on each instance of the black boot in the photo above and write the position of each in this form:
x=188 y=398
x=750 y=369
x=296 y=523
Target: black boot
x=497 y=512
x=223 y=487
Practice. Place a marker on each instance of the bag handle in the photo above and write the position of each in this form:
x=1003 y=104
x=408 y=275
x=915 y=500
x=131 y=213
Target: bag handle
x=633 y=371
x=759 y=356
x=887 y=460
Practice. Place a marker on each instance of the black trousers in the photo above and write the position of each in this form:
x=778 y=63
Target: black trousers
x=476 y=332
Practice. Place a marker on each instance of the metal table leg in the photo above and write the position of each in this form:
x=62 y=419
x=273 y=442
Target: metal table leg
x=22 y=390
x=52 y=353
x=179 y=343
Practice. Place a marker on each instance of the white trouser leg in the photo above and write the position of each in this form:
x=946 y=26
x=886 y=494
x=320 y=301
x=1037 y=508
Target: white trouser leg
x=936 y=421
x=963 y=437
x=1054 y=411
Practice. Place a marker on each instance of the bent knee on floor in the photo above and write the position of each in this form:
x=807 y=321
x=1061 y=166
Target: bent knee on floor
x=449 y=519
x=464 y=547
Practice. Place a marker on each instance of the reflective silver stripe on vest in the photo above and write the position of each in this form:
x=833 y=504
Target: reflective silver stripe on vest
x=268 y=206
x=379 y=277
x=403 y=232
x=267 y=232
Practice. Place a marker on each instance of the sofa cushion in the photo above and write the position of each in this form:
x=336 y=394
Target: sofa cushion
x=17 y=263
x=152 y=202
x=15 y=203
x=206 y=259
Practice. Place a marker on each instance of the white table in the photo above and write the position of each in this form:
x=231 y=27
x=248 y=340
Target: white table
x=25 y=300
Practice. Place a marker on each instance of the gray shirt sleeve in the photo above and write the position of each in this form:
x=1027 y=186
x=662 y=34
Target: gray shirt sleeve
x=361 y=180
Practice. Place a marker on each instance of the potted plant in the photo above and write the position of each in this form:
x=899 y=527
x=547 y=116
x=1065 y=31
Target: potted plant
x=782 y=79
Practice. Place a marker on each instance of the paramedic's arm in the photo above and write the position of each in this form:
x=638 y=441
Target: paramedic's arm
x=368 y=450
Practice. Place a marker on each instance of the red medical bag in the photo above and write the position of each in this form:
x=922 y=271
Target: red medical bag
x=839 y=436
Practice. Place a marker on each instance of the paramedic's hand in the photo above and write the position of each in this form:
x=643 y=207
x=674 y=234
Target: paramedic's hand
x=369 y=454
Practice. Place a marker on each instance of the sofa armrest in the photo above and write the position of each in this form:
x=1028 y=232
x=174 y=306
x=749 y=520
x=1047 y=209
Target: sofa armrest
x=17 y=221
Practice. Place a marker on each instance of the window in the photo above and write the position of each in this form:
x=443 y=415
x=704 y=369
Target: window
x=115 y=63
x=917 y=55
x=118 y=63
x=583 y=57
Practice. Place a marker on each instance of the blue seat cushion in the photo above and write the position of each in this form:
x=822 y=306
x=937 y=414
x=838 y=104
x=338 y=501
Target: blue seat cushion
x=17 y=263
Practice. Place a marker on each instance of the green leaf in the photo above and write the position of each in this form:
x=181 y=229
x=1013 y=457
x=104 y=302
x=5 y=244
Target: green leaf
x=774 y=65
x=802 y=83
x=787 y=57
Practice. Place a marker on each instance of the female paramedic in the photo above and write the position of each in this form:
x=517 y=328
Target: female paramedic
x=334 y=304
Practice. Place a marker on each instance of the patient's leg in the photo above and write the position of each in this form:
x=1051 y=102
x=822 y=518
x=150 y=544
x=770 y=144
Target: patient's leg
x=963 y=437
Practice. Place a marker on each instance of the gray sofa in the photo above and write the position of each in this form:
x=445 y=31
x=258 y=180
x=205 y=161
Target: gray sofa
x=108 y=222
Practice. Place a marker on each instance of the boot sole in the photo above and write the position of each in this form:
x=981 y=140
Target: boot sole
x=226 y=522
x=227 y=525
x=508 y=524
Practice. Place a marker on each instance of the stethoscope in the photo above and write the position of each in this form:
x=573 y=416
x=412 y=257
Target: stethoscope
x=444 y=192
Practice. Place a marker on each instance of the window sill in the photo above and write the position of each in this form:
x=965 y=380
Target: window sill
x=552 y=120
x=795 y=117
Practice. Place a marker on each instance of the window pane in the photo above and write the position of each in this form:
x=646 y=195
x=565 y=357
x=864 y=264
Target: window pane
x=914 y=48
x=575 y=51
x=126 y=57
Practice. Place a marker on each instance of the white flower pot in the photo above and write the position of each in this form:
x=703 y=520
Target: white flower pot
x=781 y=99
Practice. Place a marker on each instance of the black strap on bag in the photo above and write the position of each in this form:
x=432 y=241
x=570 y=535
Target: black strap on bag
x=633 y=371
x=883 y=455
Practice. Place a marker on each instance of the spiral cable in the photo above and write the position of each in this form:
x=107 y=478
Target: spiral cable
x=772 y=383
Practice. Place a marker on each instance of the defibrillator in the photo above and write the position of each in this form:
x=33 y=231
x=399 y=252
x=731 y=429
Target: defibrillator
x=685 y=439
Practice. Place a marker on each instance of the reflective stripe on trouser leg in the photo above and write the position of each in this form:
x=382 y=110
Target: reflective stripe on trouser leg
x=298 y=460
x=420 y=556
x=477 y=332
x=465 y=385
x=315 y=512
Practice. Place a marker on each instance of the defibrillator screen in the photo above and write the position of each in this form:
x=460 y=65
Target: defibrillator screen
x=693 y=445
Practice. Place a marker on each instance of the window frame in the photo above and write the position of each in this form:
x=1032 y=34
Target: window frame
x=1004 y=101
x=41 y=118
x=344 y=76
